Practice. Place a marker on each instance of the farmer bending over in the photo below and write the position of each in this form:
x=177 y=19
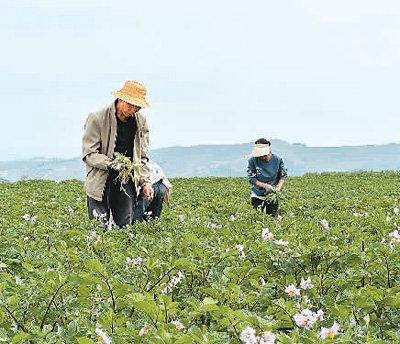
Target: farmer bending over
x=119 y=127
x=266 y=173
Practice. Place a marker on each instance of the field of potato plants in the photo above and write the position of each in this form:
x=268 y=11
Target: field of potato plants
x=211 y=270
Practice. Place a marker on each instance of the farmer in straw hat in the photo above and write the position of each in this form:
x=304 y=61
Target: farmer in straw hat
x=118 y=127
x=266 y=173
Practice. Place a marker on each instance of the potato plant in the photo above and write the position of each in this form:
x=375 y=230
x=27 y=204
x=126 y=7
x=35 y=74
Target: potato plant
x=211 y=270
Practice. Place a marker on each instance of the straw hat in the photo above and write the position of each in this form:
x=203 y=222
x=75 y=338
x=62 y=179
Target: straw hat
x=134 y=93
x=260 y=149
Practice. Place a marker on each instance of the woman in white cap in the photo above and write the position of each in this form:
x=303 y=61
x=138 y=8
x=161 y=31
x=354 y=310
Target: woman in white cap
x=266 y=173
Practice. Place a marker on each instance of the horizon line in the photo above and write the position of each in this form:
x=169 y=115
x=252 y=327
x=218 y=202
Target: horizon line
x=206 y=144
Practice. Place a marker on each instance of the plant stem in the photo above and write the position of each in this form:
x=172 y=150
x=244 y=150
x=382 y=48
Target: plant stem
x=49 y=304
x=22 y=327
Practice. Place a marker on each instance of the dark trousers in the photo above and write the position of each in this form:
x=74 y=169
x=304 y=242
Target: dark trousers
x=119 y=203
x=270 y=208
x=150 y=209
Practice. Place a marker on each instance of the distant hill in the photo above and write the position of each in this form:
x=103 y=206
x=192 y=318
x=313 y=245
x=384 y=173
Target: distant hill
x=224 y=160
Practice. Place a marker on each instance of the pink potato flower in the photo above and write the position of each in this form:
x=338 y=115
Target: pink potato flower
x=329 y=332
x=292 y=291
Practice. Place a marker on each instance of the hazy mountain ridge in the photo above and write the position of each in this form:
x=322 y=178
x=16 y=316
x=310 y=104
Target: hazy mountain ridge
x=224 y=160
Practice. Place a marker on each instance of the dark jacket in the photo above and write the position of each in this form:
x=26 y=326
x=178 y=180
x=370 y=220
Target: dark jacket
x=265 y=171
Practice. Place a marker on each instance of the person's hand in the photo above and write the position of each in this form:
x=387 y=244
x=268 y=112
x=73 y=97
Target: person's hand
x=148 y=191
x=115 y=165
x=278 y=188
x=268 y=188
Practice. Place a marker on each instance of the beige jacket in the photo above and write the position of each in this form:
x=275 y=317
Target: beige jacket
x=98 y=149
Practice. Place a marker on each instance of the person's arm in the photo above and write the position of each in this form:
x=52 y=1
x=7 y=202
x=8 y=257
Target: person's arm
x=282 y=173
x=144 y=180
x=91 y=144
x=265 y=186
x=279 y=186
x=251 y=172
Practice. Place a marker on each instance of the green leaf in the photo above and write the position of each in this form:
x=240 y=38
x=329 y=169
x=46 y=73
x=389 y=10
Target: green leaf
x=391 y=301
x=96 y=266
x=183 y=263
x=83 y=340
x=3 y=336
x=20 y=337
x=209 y=305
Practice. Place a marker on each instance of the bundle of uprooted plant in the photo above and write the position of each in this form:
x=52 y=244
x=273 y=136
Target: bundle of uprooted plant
x=126 y=169
x=275 y=195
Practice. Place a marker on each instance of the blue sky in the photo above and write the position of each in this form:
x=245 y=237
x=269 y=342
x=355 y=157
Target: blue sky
x=324 y=73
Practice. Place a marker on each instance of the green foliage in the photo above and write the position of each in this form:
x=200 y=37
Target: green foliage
x=62 y=276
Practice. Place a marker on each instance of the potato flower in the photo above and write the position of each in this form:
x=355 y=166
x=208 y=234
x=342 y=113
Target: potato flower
x=266 y=234
x=102 y=337
x=329 y=332
x=324 y=224
x=306 y=284
x=240 y=249
x=307 y=318
x=292 y=291
x=179 y=326
x=266 y=338
x=248 y=336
